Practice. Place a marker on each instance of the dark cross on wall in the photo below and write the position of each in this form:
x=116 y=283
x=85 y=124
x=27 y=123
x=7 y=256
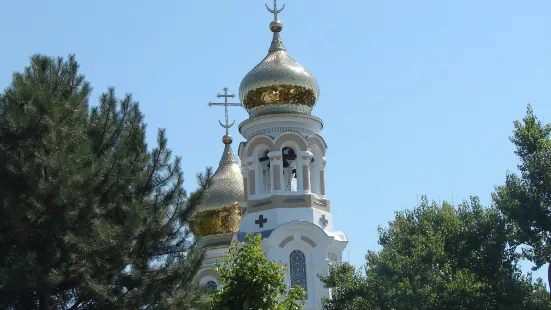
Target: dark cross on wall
x=261 y=220
x=323 y=221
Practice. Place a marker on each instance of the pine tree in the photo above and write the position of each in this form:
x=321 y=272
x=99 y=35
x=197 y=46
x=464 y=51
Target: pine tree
x=89 y=218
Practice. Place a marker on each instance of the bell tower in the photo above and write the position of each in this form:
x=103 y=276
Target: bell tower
x=283 y=165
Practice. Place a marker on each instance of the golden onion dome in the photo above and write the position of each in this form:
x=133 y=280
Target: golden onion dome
x=227 y=183
x=278 y=84
x=220 y=210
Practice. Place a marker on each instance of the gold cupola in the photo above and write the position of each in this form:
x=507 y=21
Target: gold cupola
x=278 y=84
x=219 y=212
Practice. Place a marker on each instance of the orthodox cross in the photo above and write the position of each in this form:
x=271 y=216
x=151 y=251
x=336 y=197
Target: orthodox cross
x=261 y=220
x=275 y=11
x=323 y=221
x=226 y=104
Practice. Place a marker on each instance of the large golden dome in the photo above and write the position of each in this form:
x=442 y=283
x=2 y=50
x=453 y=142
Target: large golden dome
x=278 y=84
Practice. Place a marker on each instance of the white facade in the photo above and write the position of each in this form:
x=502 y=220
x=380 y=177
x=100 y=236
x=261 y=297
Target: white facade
x=295 y=222
x=319 y=247
x=207 y=276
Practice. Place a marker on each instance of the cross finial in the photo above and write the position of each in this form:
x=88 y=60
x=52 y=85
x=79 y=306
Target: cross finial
x=275 y=11
x=226 y=104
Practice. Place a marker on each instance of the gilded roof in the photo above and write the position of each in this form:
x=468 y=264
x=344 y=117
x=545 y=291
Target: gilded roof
x=227 y=183
x=278 y=84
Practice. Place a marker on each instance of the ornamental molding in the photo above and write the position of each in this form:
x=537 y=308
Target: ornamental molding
x=307 y=154
x=276 y=131
x=273 y=125
x=213 y=260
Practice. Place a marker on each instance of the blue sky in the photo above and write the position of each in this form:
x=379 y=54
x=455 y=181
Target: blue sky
x=418 y=97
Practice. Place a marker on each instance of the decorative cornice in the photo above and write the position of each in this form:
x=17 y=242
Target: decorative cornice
x=283 y=200
x=306 y=155
x=216 y=241
x=273 y=125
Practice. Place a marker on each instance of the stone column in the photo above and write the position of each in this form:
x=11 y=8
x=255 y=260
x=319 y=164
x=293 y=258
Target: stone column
x=251 y=178
x=245 y=174
x=305 y=184
x=276 y=173
x=322 y=177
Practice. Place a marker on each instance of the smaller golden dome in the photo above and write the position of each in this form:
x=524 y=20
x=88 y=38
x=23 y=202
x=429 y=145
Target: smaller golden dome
x=220 y=210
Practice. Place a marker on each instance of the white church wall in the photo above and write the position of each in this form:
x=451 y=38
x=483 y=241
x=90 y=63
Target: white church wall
x=280 y=216
x=212 y=255
x=315 y=252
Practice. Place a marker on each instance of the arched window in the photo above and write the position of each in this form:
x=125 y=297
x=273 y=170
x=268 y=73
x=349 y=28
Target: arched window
x=298 y=269
x=265 y=168
x=211 y=286
x=289 y=169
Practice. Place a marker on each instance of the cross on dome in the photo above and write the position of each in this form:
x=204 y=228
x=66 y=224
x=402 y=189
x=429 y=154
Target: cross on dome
x=275 y=11
x=227 y=139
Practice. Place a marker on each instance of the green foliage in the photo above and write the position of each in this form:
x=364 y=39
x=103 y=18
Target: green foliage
x=349 y=289
x=90 y=219
x=439 y=257
x=251 y=281
x=526 y=199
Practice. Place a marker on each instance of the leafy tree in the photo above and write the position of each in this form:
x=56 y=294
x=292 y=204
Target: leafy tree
x=526 y=199
x=439 y=257
x=251 y=281
x=350 y=289
x=89 y=218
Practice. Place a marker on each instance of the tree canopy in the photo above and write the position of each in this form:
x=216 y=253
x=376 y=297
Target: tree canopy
x=439 y=257
x=525 y=199
x=90 y=218
x=251 y=281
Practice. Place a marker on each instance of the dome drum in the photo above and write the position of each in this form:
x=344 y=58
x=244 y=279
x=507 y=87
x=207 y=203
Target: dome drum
x=277 y=99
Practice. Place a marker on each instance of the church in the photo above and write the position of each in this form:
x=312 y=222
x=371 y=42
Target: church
x=277 y=187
